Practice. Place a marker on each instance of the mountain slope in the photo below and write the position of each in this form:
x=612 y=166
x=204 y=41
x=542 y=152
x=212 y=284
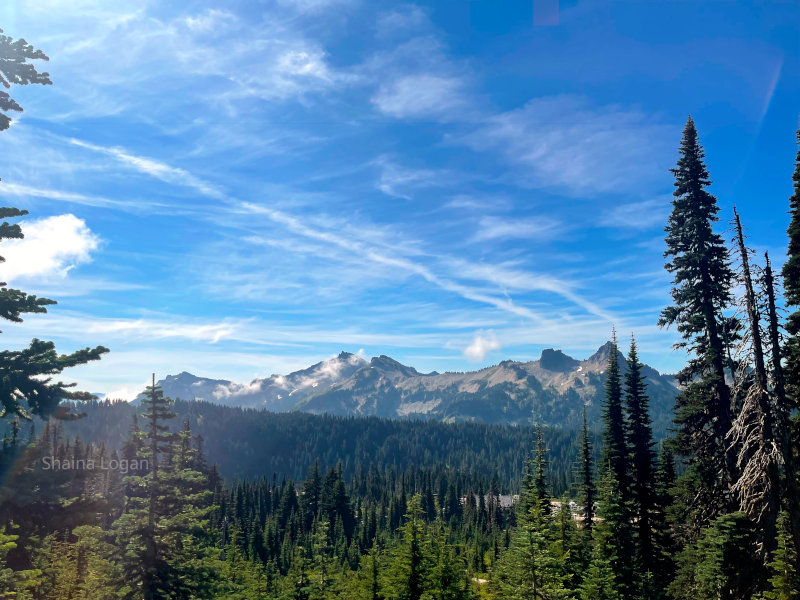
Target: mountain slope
x=552 y=390
x=277 y=392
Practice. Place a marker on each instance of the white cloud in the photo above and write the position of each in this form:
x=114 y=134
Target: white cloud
x=51 y=247
x=127 y=393
x=563 y=142
x=481 y=345
x=210 y=21
x=154 y=168
x=156 y=329
x=313 y=5
x=400 y=182
x=534 y=229
x=638 y=215
x=422 y=96
x=402 y=18
x=24 y=191
x=371 y=254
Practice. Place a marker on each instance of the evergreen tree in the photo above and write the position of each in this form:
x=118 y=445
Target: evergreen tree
x=15 y=69
x=611 y=572
x=722 y=565
x=785 y=580
x=640 y=442
x=13 y=583
x=702 y=281
x=159 y=535
x=790 y=351
x=448 y=575
x=409 y=569
x=586 y=489
x=663 y=539
x=615 y=447
x=533 y=567
x=26 y=386
x=791 y=288
x=540 y=472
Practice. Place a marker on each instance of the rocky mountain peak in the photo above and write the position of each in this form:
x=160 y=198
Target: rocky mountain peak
x=556 y=360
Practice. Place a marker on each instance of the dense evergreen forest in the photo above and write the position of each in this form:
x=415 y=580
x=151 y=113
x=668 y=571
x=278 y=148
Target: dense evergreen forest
x=285 y=445
x=711 y=514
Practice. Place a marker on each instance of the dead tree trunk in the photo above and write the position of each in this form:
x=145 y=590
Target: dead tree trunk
x=760 y=459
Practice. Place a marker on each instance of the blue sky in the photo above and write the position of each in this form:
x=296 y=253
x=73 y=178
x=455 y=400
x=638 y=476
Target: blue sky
x=243 y=188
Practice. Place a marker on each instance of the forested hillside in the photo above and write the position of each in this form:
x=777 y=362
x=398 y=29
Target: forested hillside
x=285 y=445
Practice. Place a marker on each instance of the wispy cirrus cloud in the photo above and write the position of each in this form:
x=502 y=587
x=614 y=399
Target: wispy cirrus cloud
x=536 y=229
x=569 y=144
x=154 y=168
x=400 y=182
x=638 y=215
x=422 y=96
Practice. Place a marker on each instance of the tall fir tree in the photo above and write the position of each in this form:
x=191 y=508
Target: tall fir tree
x=587 y=495
x=642 y=457
x=533 y=566
x=615 y=447
x=702 y=280
x=791 y=288
x=15 y=69
x=26 y=386
x=159 y=535
x=407 y=578
x=785 y=580
x=540 y=473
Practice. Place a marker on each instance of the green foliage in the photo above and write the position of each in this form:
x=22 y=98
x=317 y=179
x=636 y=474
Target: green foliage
x=533 y=568
x=159 y=535
x=702 y=282
x=26 y=386
x=785 y=580
x=615 y=447
x=14 y=584
x=642 y=461
x=15 y=69
x=722 y=565
x=586 y=488
x=791 y=287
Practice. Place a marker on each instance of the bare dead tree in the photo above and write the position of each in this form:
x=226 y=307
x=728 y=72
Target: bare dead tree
x=790 y=488
x=760 y=459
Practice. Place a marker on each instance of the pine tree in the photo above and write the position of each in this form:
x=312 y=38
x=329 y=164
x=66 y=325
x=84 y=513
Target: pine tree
x=702 y=281
x=722 y=565
x=15 y=69
x=663 y=540
x=26 y=386
x=790 y=351
x=615 y=447
x=410 y=566
x=11 y=581
x=540 y=472
x=312 y=490
x=791 y=288
x=586 y=489
x=785 y=580
x=640 y=442
x=533 y=567
x=159 y=535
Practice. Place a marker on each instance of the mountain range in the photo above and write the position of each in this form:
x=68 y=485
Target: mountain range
x=552 y=390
